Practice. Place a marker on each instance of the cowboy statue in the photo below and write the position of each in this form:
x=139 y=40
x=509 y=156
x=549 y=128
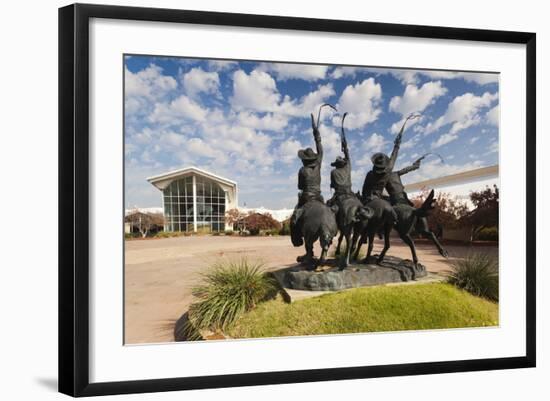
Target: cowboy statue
x=410 y=218
x=312 y=220
x=309 y=181
x=382 y=167
x=395 y=187
x=351 y=215
x=340 y=176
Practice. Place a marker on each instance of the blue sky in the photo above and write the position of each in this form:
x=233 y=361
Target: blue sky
x=247 y=120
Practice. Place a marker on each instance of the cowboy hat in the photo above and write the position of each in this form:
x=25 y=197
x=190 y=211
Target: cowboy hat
x=380 y=162
x=307 y=154
x=339 y=162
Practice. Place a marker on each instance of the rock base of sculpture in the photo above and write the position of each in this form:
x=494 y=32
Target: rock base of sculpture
x=330 y=278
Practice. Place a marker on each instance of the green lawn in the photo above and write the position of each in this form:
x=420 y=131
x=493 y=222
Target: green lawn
x=387 y=308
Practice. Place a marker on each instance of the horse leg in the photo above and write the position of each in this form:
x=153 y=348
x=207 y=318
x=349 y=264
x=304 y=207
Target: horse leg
x=323 y=257
x=345 y=261
x=362 y=240
x=369 y=248
x=409 y=241
x=309 y=255
x=339 y=244
x=424 y=229
x=387 y=231
x=354 y=245
x=325 y=242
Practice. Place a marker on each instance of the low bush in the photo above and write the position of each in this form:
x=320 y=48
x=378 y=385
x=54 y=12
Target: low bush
x=229 y=232
x=203 y=230
x=254 y=231
x=487 y=234
x=477 y=274
x=271 y=232
x=229 y=289
x=168 y=234
x=164 y=234
x=132 y=235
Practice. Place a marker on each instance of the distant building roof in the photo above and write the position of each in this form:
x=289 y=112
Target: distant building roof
x=278 y=214
x=454 y=179
x=146 y=210
x=185 y=171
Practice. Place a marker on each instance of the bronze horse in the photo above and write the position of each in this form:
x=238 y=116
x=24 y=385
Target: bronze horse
x=317 y=222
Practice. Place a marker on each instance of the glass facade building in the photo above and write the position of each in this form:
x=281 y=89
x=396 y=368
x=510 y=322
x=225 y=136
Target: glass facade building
x=180 y=208
x=194 y=200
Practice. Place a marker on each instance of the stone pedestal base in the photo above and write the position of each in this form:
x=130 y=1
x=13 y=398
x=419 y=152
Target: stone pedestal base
x=331 y=278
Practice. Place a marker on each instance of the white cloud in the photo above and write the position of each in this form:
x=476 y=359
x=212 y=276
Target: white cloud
x=473 y=140
x=415 y=99
x=493 y=115
x=199 y=147
x=412 y=76
x=480 y=78
x=268 y=122
x=375 y=143
x=444 y=139
x=493 y=147
x=221 y=65
x=340 y=72
x=149 y=83
x=410 y=143
x=476 y=77
x=243 y=144
x=405 y=76
x=308 y=103
x=288 y=150
x=142 y=90
x=144 y=136
x=180 y=108
x=332 y=144
x=462 y=112
x=197 y=80
x=255 y=91
x=129 y=148
x=171 y=139
x=285 y=72
x=361 y=101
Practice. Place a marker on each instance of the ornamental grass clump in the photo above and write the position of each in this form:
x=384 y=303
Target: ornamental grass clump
x=477 y=274
x=229 y=289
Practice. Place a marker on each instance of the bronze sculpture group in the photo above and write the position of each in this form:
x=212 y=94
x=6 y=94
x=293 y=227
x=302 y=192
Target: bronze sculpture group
x=357 y=217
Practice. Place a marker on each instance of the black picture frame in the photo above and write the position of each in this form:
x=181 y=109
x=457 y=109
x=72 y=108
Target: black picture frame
x=74 y=198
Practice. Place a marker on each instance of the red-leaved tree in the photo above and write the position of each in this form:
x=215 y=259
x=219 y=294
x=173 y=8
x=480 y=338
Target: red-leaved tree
x=449 y=211
x=255 y=222
x=485 y=213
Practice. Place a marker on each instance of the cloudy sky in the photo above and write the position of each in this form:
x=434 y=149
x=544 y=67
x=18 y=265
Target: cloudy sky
x=246 y=121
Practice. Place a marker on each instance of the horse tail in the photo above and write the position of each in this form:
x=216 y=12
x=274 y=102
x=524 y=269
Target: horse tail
x=427 y=206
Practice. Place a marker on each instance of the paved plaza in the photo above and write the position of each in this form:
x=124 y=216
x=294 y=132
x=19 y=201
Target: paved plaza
x=160 y=273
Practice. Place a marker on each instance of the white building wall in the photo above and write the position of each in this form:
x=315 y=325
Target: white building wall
x=462 y=190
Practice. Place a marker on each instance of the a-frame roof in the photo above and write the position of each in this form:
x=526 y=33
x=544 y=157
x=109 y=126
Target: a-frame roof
x=170 y=175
